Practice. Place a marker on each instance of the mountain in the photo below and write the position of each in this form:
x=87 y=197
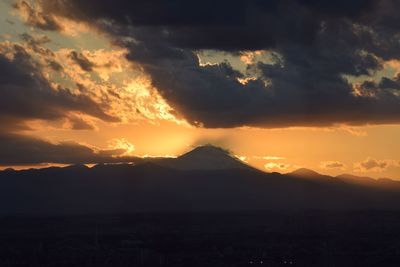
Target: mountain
x=308 y=174
x=204 y=179
x=207 y=157
x=303 y=172
x=362 y=180
x=384 y=183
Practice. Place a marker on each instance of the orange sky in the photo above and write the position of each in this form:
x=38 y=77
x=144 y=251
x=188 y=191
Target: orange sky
x=282 y=149
x=149 y=126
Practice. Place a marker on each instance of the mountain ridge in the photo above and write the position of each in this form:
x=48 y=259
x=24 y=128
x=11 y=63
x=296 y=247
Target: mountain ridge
x=155 y=185
x=206 y=157
x=210 y=157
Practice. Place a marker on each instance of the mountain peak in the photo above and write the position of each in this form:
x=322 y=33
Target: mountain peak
x=8 y=170
x=304 y=172
x=206 y=157
x=207 y=150
x=77 y=166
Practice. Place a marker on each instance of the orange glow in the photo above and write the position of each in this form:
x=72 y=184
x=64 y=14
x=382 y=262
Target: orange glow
x=147 y=125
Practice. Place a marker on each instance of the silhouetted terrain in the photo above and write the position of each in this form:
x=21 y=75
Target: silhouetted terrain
x=205 y=208
x=205 y=179
x=203 y=239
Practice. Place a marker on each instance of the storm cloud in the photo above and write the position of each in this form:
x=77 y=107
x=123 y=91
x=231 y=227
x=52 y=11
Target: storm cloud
x=17 y=149
x=81 y=60
x=318 y=47
x=27 y=94
x=375 y=165
x=37 y=18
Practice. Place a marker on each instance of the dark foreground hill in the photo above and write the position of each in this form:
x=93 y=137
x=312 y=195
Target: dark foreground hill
x=214 y=182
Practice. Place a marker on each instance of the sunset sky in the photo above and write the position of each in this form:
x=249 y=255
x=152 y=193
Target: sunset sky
x=282 y=84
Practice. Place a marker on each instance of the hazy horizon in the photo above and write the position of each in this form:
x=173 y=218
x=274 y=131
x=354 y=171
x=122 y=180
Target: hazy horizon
x=148 y=158
x=199 y=133
x=318 y=90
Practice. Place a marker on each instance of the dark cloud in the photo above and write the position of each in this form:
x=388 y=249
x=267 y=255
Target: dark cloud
x=10 y=22
x=371 y=164
x=37 y=18
x=305 y=86
x=82 y=61
x=332 y=165
x=315 y=45
x=226 y=25
x=36 y=44
x=78 y=123
x=26 y=94
x=35 y=40
x=54 y=65
x=385 y=85
x=25 y=150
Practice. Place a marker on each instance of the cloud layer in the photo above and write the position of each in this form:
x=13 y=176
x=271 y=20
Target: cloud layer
x=375 y=165
x=331 y=165
x=327 y=64
x=24 y=150
x=315 y=45
x=27 y=94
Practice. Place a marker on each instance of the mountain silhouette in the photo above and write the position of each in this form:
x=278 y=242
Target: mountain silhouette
x=303 y=172
x=308 y=174
x=384 y=183
x=207 y=157
x=205 y=179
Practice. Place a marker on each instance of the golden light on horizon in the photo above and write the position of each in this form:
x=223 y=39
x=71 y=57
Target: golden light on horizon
x=170 y=132
x=99 y=92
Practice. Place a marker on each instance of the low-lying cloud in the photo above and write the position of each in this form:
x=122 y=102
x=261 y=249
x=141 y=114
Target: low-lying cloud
x=375 y=165
x=19 y=149
x=331 y=165
x=27 y=94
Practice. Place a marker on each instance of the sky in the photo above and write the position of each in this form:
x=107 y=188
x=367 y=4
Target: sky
x=282 y=84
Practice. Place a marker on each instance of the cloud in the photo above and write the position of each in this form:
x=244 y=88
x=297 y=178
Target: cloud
x=37 y=18
x=55 y=66
x=384 y=86
x=122 y=144
x=374 y=165
x=315 y=45
x=274 y=166
x=81 y=60
x=268 y=157
x=27 y=94
x=328 y=165
x=79 y=122
x=242 y=158
x=117 y=87
x=35 y=40
x=226 y=25
x=24 y=150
